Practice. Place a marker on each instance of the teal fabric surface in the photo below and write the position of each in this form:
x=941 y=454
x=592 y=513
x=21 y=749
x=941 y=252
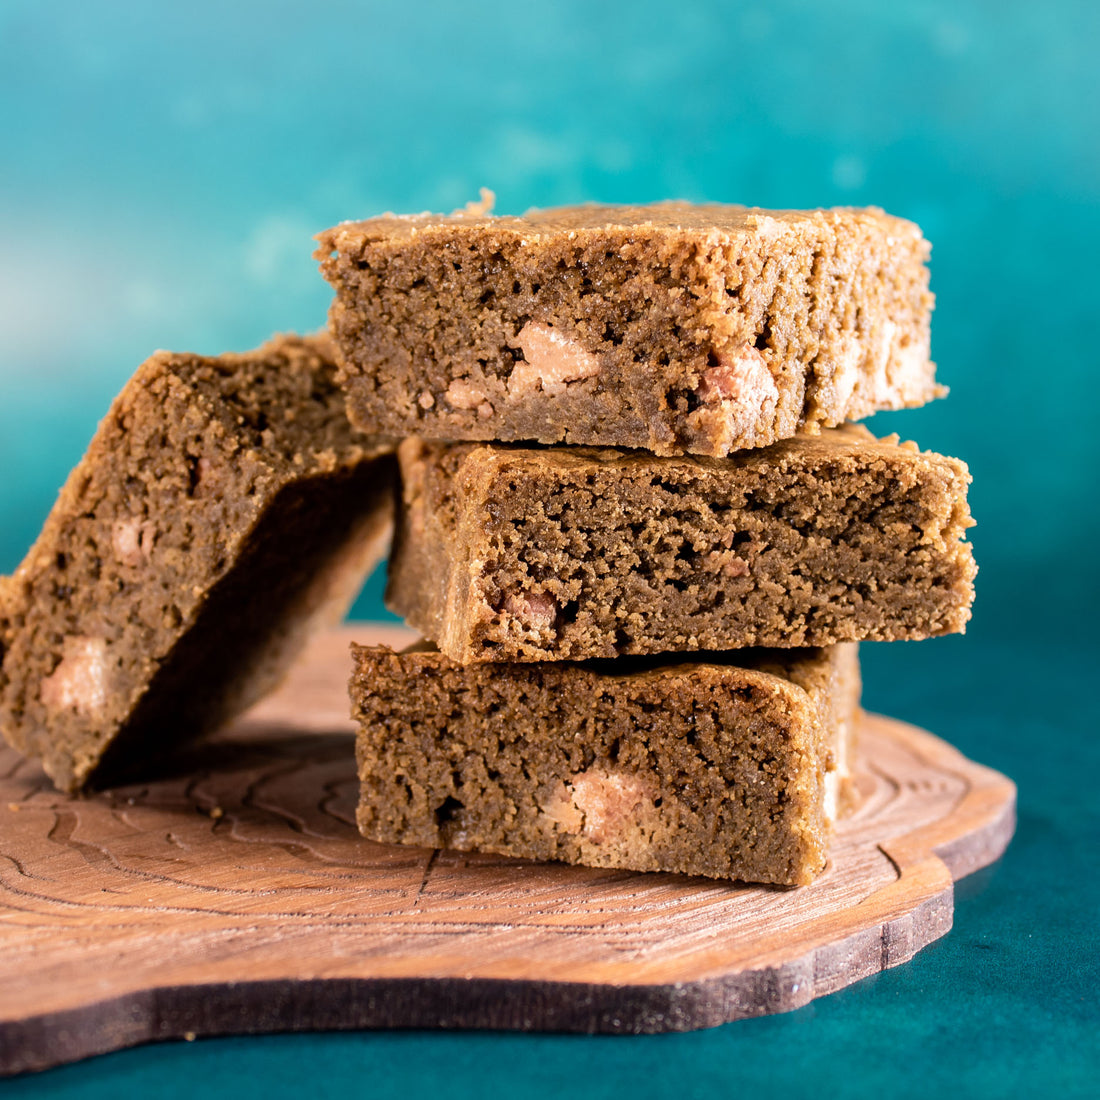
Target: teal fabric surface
x=163 y=168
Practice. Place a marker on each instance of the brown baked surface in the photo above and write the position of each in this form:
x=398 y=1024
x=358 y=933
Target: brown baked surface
x=700 y=768
x=519 y=554
x=224 y=508
x=674 y=328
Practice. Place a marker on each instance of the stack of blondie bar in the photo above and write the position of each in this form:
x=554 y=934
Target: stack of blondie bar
x=637 y=529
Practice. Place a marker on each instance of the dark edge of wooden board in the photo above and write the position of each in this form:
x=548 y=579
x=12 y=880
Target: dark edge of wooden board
x=346 y=1004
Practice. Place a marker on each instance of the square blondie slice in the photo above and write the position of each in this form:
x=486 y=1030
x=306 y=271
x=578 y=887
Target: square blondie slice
x=224 y=509
x=675 y=328
x=710 y=767
x=505 y=553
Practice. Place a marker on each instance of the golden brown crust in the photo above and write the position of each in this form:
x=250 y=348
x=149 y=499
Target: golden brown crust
x=673 y=218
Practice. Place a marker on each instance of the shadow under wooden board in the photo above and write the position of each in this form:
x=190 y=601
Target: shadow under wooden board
x=232 y=894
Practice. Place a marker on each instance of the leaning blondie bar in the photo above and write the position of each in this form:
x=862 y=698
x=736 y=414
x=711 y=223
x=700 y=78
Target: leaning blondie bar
x=705 y=767
x=672 y=327
x=223 y=510
x=518 y=554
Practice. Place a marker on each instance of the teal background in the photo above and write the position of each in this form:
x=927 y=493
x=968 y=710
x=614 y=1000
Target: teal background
x=163 y=168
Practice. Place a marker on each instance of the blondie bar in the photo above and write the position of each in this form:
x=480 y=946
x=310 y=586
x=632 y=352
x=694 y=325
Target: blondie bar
x=223 y=509
x=704 y=767
x=507 y=553
x=672 y=327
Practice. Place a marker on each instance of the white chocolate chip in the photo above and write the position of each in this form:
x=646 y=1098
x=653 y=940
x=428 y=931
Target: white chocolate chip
x=80 y=680
x=741 y=377
x=898 y=373
x=740 y=389
x=832 y=796
x=132 y=541
x=463 y=394
x=610 y=802
x=534 y=611
x=552 y=362
x=560 y=809
x=912 y=371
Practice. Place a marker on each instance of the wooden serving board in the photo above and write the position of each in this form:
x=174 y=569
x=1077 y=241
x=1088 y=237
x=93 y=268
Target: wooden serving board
x=232 y=894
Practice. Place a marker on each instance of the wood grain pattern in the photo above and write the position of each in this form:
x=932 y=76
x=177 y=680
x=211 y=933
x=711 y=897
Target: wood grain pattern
x=232 y=894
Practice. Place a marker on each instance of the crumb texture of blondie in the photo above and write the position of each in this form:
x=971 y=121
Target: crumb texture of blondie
x=704 y=768
x=507 y=553
x=675 y=328
x=224 y=509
